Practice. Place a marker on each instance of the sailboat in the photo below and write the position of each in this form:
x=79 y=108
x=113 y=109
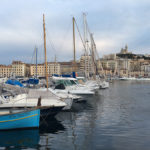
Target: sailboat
x=17 y=118
x=12 y=117
x=50 y=105
x=63 y=85
x=56 y=103
x=92 y=51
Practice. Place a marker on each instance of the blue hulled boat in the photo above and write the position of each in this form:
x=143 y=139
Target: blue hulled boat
x=16 y=119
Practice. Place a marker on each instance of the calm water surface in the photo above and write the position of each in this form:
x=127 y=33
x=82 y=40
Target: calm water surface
x=115 y=119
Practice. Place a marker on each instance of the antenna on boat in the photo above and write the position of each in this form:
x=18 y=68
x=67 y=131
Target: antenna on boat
x=46 y=74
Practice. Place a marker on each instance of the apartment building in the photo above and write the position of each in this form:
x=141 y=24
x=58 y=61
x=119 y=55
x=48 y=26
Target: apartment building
x=66 y=67
x=37 y=70
x=146 y=69
x=5 y=71
x=52 y=68
x=86 y=64
x=20 y=69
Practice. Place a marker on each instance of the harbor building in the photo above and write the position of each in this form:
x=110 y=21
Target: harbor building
x=52 y=68
x=37 y=70
x=126 y=64
x=5 y=71
x=146 y=69
x=123 y=64
x=20 y=69
x=86 y=64
x=17 y=68
x=68 y=67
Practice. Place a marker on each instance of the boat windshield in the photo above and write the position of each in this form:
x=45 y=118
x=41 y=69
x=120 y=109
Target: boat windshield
x=59 y=82
x=68 y=83
x=73 y=82
x=81 y=81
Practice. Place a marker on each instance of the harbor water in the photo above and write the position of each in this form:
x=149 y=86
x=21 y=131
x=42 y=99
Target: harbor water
x=117 y=118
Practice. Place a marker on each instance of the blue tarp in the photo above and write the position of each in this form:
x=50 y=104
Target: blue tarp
x=31 y=81
x=56 y=75
x=66 y=75
x=74 y=74
x=14 y=82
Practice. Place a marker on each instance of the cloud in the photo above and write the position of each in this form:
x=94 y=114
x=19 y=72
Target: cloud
x=113 y=22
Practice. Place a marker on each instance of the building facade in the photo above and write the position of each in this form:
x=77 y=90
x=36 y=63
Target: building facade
x=39 y=70
x=86 y=65
x=5 y=71
x=126 y=64
x=17 y=68
x=20 y=69
x=53 y=68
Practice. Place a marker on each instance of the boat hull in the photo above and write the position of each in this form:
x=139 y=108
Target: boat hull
x=23 y=119
x=51 y=112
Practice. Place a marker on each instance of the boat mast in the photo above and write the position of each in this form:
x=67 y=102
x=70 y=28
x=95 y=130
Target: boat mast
x=74 y=47
x=96 y=57
x=36 y=59
x=86 y=47
x=55 y=65
x=94 y=65
x=46 y=74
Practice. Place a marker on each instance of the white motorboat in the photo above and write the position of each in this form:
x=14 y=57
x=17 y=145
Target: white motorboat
x=71 y=86
x=134 y=79
x=103 y=84
x=143 y=79
x=128 y=78
x=92 y=84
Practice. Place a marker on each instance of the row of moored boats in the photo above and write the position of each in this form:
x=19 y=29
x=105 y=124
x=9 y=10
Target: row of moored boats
x=23 y=104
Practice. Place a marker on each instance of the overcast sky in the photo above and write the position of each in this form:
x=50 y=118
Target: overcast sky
x=114 y=24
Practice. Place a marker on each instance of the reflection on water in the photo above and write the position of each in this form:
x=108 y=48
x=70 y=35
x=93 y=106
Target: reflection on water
x=50 y=126
x=19 y=138
x=29 y=138
x=115 y=119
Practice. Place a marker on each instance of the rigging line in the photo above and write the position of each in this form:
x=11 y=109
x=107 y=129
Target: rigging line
x=40 y=48
x=52 y=49
x=50 y=41
x=94 y=46
x=32 y=57
x=64 y=37
x=98 y=57
x=52 y=45
x=87 y=26
x=99 y=61
x=40 y=53
x=66 y=33
x=80 y=35
x=88 y=29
